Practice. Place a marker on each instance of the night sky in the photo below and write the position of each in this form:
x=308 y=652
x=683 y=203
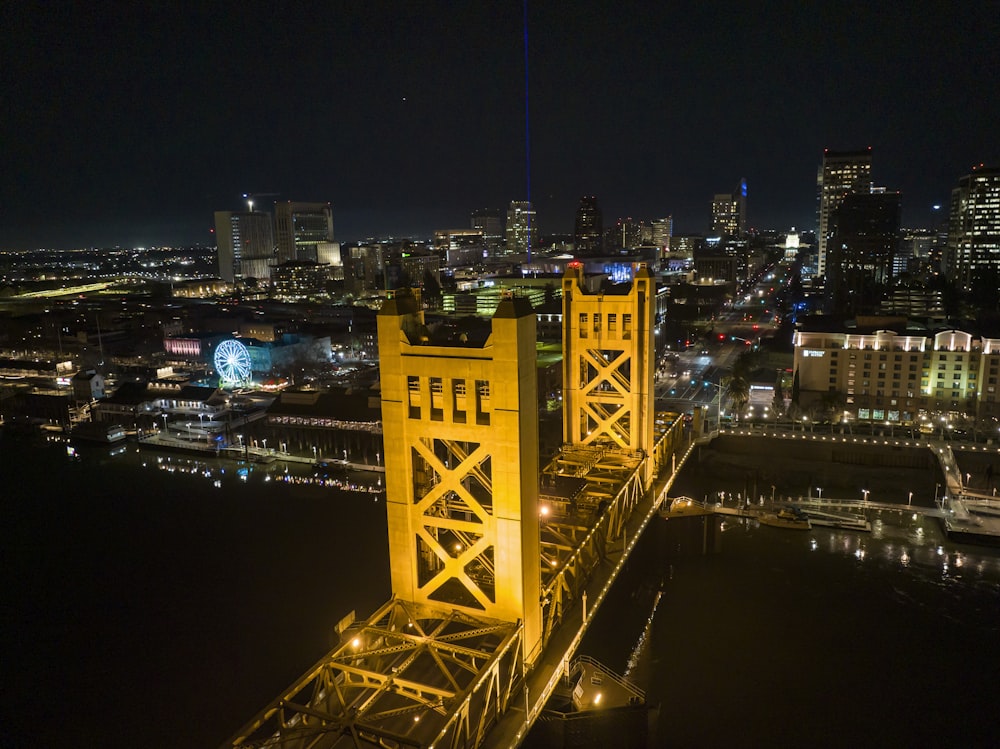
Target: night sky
x=130 y=125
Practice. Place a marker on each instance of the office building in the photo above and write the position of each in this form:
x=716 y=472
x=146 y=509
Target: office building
x=626 y=234
x=729 y=212
x=973 y=248
x=459 y=246
x=840 y=174
x=299 y=280
x=301 y=228
x=863 y=245
x=489 y=221
x=662 y=230
x=245 y=243
x=588 y=233
x=522 y=229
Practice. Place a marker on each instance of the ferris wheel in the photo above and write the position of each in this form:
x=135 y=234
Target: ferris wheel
x=232 y=361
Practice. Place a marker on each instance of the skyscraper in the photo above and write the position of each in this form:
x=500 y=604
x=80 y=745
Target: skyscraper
x=522 y=231
x=490 y=223
x=245 y=242
x=663 y=229
x=301 y=227
x=841 y=173
x=864 y=239
x=588 y=233
x=974 y=228
x=729 y=212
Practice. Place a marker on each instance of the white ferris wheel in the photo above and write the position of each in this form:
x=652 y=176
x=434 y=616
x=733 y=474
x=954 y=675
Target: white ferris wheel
x=232 y=361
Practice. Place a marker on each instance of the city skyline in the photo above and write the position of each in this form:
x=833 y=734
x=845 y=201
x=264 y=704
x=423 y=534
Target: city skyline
x=134 y=128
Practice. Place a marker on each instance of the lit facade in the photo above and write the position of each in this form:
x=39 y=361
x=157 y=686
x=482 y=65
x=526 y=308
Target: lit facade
x=608 y=357
x=974 y=227
x=299 y=280
x=729 y=212
x=662 y=230
x=897 y=378
x=460 y=429
x=245 y=242
x=840 y=174
x=301 y=228
x=522 y=229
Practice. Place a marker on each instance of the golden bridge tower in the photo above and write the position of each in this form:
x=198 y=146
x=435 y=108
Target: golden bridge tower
x=608 y=362
x=460 y=426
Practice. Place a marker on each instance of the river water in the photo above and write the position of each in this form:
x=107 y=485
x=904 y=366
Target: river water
x=161 y=601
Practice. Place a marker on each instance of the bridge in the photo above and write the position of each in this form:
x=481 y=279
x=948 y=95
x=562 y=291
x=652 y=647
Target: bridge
x=497 y=564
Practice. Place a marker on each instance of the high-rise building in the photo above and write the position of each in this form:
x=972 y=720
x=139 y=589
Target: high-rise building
x=840 y=174
x=245 y=242
x=522 y=230
x=299 y=280
x=974 y=227
x=626 y=234
x=588 y=234
x=489 y=221
x=300 y=228
x=459 y=246
x=729 y=212
x=863 y=244
x=663 y=229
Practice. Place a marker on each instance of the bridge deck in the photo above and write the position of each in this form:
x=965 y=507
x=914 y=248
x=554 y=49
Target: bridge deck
x=512 y=728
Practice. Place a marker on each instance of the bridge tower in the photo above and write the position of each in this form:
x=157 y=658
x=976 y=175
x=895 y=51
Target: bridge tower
x=460 y=427
x=608 y=363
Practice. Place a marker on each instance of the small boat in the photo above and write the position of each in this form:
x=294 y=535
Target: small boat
x=99 y=432
x=787 y=517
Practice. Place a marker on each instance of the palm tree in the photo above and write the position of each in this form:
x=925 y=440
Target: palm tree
x=736 y=387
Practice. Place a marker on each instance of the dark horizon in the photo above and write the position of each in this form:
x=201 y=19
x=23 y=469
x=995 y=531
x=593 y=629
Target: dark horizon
x=131 y=126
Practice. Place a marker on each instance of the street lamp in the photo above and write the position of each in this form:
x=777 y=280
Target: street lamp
x=909 y=499
x=865 y=493
x=164 y=422
x=819 y=491
x=314 y=452
x=378 y=459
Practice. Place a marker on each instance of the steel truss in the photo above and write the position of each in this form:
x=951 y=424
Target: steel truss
x=410 y=676
x=575 y=538
x=577 y=533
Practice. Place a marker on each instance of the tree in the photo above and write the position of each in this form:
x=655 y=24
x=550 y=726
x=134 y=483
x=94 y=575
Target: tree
x=736 y=387
x=833 y=404
x=778 y=401
x=431 y=289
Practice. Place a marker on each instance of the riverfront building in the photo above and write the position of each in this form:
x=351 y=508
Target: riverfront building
x=882 y=376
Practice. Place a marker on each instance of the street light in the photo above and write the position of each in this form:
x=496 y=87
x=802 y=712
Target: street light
x=909 y=499
x=164 y=422
x=314 y=452
x=819 y=491
x=865 y=493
